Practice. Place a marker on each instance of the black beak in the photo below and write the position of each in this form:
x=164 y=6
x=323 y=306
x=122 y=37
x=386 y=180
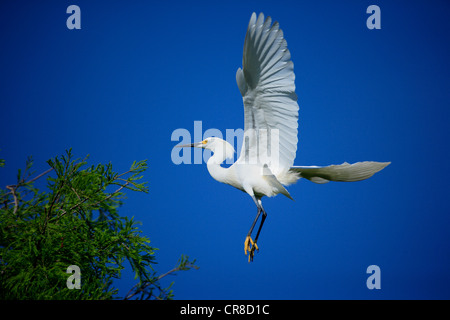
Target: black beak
x=196 y=144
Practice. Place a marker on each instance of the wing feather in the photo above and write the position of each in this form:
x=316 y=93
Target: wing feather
x=267 y=85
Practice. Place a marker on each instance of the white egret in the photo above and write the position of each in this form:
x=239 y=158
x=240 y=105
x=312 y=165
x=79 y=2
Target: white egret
x=265 y=165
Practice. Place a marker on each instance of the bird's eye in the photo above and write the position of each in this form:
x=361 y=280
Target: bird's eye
x=204 y=141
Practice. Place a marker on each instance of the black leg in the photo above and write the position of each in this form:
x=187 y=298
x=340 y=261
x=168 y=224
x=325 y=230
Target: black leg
x=249 y=244
x=261 y=224
x=254 y=222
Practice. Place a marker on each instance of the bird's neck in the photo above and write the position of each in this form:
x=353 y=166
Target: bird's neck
x=215 y=170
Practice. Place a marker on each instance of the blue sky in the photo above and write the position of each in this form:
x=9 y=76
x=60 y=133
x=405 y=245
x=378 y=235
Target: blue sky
x=135 y=72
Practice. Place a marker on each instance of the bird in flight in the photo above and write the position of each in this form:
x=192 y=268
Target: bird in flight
x=265 y=165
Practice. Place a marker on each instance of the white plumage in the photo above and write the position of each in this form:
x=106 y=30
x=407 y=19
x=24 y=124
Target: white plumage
x=267 y=84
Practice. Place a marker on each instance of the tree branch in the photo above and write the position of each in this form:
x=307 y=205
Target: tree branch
x=181 y=267
x=13 y=187
x=13 y=191
x=42 y=174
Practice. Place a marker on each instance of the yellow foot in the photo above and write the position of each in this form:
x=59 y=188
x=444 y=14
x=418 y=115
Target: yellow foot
x=250 y=246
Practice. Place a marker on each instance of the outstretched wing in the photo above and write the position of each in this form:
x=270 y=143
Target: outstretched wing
x=344 y=172
x=266 y=83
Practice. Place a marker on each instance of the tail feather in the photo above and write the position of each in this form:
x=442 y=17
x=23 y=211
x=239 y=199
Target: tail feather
x=344 y=172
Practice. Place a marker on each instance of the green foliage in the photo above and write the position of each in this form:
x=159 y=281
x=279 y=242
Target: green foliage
x=75 y=222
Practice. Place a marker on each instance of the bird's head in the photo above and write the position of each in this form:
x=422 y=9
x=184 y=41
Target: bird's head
x=216 y=145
